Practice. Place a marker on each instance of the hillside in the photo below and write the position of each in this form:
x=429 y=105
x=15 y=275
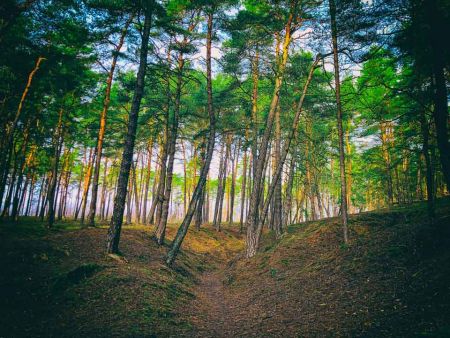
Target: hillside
x=393 y=279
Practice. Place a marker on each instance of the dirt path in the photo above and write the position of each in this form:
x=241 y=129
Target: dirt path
x=211 y=310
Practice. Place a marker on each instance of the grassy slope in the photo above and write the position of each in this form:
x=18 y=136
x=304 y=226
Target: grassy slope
x=392 y=279
x=60 y=283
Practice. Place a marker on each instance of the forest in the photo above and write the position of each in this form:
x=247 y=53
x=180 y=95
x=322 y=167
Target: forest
x=231 y=168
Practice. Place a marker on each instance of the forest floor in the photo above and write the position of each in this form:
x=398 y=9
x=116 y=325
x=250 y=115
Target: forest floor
x=392 y=279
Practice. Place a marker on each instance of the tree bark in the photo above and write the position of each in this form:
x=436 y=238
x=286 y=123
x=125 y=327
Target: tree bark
x=234 y=162
x=10 y=133
x=344 y=213
x=57 y=152
x=147 y=181
x=287 y=218
x=172 y=141
x=253 y=215
x=115 y=228
x=440 y=111
x=285 y=151
x=103 y=119
x=429 y=168
x=87 y=184
x=182 y=230
x=243 y=188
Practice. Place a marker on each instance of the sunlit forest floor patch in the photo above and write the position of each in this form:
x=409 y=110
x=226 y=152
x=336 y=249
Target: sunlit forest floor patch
x=392 y=279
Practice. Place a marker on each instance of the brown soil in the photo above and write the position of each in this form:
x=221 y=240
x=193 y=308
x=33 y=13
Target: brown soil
x=392 y=280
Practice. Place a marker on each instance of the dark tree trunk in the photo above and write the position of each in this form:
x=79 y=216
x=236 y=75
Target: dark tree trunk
x=30 y=196
x=440 y=112
x=127 y=156
x=429 y=168
x=41 y=194
x=57 y=153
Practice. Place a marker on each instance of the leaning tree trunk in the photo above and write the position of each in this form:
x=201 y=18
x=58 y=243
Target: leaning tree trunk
x=172 y=141
x=115 y=228
x=259 y=163
x=182 y=230
x=285 y=151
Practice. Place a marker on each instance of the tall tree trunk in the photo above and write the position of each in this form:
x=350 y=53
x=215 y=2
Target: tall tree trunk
x=135 y=190
x=277 y=202
x=57 y=153
x=17 y=165
x=184 y=178
x=201 y=208
x=243 y=188
x=255 y=80
x=10 y=133
x=129 y=201
x=219 y=187
x=429 y=168
x=440 y=111
x=147 y=181
x=234 y=162
x=30 y=195
x=104 y=191
x=103 y=119
x=348 y=166
x=386 y=139
x=41 y=194
x=161 y=227
x=182 y=230
x=87 y=184
x=337 y=82
x=84 y=162
x=127 y=156
x=287 y=218
x=285 y=151
x=155 y=187
x=17 y=201
x=253 y=215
